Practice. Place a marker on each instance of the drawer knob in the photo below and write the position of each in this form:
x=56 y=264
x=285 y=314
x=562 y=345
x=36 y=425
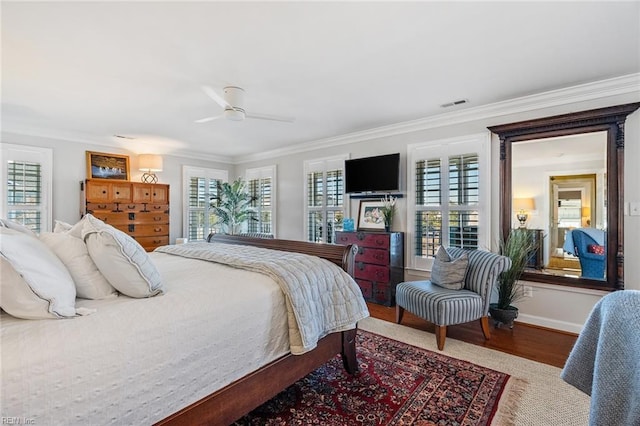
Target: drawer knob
x=360 y=265
x=102 y=206
x=104 y=192
x=131 y=207
x=157 y=229
x=157 y=218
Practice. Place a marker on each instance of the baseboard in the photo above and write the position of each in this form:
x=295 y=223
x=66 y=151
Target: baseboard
x=550 y=323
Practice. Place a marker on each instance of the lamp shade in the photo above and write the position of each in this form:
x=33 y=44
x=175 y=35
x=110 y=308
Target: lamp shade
x=523 y=204
x=150 y=163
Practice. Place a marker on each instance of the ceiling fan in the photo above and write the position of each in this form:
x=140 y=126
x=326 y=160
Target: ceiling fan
x=233 y=104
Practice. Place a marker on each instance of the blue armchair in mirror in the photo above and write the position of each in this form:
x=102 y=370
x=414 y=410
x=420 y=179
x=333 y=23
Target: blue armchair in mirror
x=589 y=247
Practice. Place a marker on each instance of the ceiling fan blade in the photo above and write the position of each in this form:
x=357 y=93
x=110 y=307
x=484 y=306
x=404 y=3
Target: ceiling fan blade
x=213 y=95
x=271 y=117
x=206 y=120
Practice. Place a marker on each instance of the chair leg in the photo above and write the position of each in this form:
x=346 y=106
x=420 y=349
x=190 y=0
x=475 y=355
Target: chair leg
x=399 y=313
x=486 y=330
x=441 y=335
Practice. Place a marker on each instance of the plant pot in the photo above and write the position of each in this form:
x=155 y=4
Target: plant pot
x=503 y=316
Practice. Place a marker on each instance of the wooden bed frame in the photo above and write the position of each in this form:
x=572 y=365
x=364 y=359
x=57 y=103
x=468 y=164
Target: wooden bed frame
x=228 y=404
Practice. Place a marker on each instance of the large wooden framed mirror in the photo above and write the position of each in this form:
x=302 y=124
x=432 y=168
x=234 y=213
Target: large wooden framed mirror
x=562 y=178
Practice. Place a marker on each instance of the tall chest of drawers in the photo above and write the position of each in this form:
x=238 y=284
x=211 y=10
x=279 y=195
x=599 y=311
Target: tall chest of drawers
x=138 y=209
x=379 y=263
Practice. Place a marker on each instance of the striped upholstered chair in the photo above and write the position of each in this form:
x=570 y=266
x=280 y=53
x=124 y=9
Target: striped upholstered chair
x=444 y=307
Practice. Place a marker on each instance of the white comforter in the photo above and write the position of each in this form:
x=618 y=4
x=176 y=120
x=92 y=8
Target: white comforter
x=135 y=361
x=321 y=298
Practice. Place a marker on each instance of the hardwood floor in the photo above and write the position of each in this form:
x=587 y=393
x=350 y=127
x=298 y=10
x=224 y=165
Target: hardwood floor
x=536 y=343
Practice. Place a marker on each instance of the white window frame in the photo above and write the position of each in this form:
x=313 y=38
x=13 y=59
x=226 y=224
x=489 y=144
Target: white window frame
x=269 y=172
x=189 y=172
x=442 y=149
x=323 y=165
x=33 y=154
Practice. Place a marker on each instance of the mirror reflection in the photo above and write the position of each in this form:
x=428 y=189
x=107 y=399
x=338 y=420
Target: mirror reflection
x=559 y=194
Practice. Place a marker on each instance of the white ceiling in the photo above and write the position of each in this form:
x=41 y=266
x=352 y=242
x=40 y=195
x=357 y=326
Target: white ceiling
x=86 y=71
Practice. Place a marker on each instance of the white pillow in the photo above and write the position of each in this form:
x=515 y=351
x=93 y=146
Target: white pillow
x=61 y=226
x=34 y=283
x=17 y=227
x=121 y=259
x=72 y=251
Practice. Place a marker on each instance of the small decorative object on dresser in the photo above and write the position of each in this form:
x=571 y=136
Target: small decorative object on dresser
x=379 y=263
x=370 y=216
x=107 y=166
x=138 y=209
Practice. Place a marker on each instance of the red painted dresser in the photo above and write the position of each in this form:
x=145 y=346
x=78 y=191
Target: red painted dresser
x=379 y=263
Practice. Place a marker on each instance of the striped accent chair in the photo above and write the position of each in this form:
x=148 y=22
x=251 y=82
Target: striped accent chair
x=444 y=307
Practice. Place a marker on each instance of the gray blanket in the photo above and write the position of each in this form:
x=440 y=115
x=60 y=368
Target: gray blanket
x=321 y=298
x=605 y=361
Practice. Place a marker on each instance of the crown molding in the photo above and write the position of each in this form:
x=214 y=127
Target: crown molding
x=617 y=86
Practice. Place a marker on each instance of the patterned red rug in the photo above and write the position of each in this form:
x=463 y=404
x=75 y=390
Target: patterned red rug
x=398 y=384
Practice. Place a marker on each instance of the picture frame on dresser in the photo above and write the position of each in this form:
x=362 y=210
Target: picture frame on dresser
x=101 y=165
x=370 y=216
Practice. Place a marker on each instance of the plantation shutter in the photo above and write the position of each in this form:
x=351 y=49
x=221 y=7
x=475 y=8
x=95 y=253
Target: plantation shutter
x=27 y=186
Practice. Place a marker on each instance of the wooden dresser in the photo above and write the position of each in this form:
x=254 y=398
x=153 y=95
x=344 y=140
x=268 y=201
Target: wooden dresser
x=379 y=263
x=139 y=209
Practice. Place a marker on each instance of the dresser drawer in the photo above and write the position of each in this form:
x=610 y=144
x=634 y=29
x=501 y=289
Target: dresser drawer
x=148 y=230
x=371 y=255
x=130 y=207
x=366 y=287
x=164 y=208
x=117 y=219
x=148 y=218
x=382 y=294
x=376 y=273
x=101 y=207
x=150 y=243
x=362 y=239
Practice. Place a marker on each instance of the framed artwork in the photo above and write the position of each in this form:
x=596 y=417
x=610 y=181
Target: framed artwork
x=370 y=216
x=107 y=166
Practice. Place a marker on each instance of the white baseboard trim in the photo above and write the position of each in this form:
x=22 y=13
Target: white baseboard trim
x=550 y=323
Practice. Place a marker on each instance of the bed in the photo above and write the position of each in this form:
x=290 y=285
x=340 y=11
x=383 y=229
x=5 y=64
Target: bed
x=192 y=355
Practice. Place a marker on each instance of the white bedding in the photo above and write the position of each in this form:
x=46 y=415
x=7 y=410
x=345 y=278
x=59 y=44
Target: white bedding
x=136 y=361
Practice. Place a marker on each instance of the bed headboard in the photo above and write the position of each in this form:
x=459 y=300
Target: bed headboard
x=343 y=256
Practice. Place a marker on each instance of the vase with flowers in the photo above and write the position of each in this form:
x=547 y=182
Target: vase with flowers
x=388 y=209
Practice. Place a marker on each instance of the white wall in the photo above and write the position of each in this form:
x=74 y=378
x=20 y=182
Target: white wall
x=553 y=306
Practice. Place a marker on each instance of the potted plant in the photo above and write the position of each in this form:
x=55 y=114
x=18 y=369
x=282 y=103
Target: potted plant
x=518 y=246
x=388 y=210
x=232 y=206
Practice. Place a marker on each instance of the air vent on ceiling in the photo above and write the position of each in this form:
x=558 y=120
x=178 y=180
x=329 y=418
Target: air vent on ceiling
x=454 y=103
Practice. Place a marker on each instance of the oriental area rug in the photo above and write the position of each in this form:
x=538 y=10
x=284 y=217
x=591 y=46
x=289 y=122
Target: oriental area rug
x=398 y=384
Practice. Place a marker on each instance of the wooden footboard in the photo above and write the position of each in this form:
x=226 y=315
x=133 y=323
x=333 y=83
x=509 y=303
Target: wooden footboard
x=235 y=400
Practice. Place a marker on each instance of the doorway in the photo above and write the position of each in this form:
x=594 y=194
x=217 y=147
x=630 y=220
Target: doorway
x=572 y=199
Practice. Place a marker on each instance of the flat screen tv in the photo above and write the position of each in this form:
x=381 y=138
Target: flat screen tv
x=372 y=174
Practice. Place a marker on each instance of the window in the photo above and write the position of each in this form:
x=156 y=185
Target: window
x=27 y=185
x=261 y=184
x=448 y=197
x=200 y=186
x=324 y=195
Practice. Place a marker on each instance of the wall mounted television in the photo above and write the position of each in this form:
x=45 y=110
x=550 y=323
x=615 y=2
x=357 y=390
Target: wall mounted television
x=372 y=174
